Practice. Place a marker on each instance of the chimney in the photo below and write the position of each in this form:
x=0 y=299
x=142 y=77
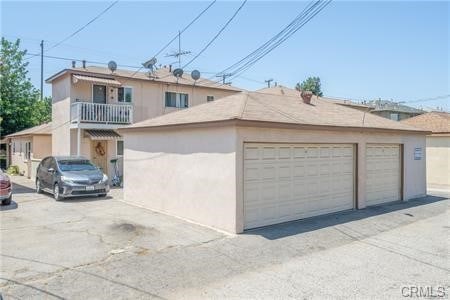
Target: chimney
x=306 y=96
x=74 y=64
x=170 y=68
x=84 y=64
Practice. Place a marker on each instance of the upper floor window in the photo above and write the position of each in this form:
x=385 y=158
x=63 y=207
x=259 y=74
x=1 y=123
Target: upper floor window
x=125 y=94
x=98 y=93
x=395 y=116
x=209 y=98
x=177 y=100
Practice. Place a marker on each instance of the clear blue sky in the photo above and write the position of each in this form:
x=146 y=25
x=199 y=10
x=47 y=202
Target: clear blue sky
x=361 y=50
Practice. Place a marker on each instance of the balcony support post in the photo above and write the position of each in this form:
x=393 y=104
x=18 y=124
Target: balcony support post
x=78 y=140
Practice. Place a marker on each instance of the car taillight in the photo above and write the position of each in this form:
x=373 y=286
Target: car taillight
x=4 y=184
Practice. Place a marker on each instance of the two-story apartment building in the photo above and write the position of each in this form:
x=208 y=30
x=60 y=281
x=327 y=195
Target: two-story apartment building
x=89 y=103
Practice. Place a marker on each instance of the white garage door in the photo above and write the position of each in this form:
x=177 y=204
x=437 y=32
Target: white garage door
x=383 y=180
x=284 y=182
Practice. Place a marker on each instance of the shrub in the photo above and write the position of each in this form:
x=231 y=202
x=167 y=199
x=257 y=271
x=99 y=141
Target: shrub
x=13 y=170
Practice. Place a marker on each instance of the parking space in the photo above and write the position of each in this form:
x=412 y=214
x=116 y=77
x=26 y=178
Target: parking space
x=104 y=248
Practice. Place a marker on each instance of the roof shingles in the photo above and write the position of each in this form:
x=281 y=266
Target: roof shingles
x=277 y=105
x=436 y=122
x=43 y=129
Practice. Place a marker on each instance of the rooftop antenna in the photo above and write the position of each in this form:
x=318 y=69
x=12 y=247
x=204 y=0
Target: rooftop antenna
x=268 y=82
x=180 y=52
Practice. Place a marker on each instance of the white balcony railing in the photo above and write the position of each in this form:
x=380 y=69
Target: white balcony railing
x=87 y=112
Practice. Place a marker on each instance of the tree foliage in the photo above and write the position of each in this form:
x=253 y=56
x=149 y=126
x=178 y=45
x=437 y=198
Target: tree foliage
x=20 y=106
x=311 y=84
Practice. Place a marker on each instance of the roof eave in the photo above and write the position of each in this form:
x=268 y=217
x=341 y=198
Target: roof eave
x=266 y=124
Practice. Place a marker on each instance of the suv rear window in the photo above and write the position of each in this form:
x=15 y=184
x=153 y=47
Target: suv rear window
x=76 y=165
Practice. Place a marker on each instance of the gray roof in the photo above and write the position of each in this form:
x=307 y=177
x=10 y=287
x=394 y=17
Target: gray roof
x=385 y=105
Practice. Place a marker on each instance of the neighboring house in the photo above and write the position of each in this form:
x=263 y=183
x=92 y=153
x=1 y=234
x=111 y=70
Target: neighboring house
x=270 y=156
x=89 y=103
x=28 y=147
x=393 y=110
x=438 y=146
x=348 y=103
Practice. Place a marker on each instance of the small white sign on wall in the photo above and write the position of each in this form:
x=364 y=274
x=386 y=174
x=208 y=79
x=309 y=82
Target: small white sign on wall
x=417 y=153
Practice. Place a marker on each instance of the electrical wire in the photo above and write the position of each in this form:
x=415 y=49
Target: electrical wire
x=81 y=60
x=217 y=34
x=177 y=35
x=80 y=29
x=309 y=12
x=185 y=28
x=307 y=17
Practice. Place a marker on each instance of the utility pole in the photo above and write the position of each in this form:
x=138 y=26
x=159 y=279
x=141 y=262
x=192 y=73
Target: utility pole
x=268 y=82
x=224 y=77
x=42 y=69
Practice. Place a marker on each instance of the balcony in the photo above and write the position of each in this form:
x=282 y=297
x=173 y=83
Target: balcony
x=109 y=115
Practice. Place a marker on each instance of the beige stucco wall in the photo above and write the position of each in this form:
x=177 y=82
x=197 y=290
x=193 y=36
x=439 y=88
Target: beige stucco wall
x=189 y=173
x=197 y=174
x=149 y=97
x=61 y=116
x=438 y=162
x=42 y=146
x=148 y=102
x=18 y=155
x=85 y=150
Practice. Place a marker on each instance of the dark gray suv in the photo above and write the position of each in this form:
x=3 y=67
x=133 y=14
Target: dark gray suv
x=70 y=176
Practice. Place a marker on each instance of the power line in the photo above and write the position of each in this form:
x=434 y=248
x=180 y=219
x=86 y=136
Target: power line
x=81 y=60
x=81 y=28
x=311 y=13
x=217 y=35
x=428 y=99
x=271 y=40
x=178 y=34
x=312 y=9
x=185 y=28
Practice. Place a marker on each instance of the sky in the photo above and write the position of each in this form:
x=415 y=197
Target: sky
x=360 y=50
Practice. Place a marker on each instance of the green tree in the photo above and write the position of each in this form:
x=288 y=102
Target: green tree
x=20 y=106
x=311 y=84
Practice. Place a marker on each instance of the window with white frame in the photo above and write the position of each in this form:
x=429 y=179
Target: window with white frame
x=177 y=100
x=209 y=98
x=125 y=94
x=119 y=148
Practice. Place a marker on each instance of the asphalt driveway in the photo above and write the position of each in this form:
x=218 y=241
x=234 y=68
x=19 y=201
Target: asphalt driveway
x=102 y=248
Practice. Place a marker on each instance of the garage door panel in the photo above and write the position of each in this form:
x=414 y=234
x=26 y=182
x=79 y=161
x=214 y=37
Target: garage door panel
x=383 y=173
x=296 y=181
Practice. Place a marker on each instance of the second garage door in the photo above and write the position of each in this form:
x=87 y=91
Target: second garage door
x=383 y=181
x=284 y=182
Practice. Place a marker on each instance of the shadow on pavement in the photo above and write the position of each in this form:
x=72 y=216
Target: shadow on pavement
x=22 y=189
x=84 y=199
x=11 y=206
x=291 y=228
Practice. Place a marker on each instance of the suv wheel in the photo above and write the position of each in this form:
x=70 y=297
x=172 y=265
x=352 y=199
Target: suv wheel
x=38 y=186
x=56 y=192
